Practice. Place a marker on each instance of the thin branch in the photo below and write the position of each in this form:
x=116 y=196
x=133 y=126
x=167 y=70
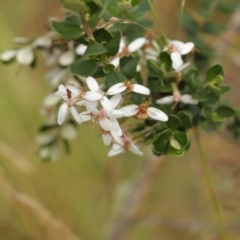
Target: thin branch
x=133 y=201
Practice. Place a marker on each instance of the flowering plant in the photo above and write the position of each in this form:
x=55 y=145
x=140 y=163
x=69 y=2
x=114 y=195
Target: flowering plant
x=135 y=86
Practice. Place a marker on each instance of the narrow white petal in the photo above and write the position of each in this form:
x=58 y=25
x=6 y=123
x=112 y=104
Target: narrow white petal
x=51 y=100
x=129 y=110
x=85 y=116
x=134 y=149
x=116 y=113
x=104 y=123
x=80 y=50
x=66 y=58
x=75 y=115
x=115 y=100
x=92 y=96
x=115 y=61
x=157 y=114
x=184 y=66
x=21 y=40
x=107 y=139
x=106 y=104
x=115 y=150
x=116 y=88
x=187 y=48
x=91 y=105
x=186 y=98
x=73 y=89
x=136 y=44
x=122 y=45
x=42 y=42
x=62 y=92
x=25 y=56
x=176 y=60
x=68 y=131
x=62 y=113
x=92 y=84
x=8 y=55
x=140 y=89
x=117 y=139
x=165 y=100
x=177 y=44
x=114 y=126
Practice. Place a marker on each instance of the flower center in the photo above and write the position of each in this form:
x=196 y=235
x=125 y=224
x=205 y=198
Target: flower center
x=129 y=85
x=142 y=112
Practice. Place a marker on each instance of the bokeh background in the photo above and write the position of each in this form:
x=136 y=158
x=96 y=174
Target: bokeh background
x=80 y=195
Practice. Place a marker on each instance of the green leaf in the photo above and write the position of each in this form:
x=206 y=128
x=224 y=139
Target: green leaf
x=182 y=138
x=114 y=77
x=225 y=89
x=192 y=80
x=162 y=141
x=113 y=45
x=213 y=28
x=84 y=67
x=66 y=29
x=214 y=71
x=153 y=68
x=186 y=118
x=95 y=49
x=125 y=60
x=166 y=61
x=129 y=69
x=173 y=122
x=102 y=36
x=225 y=111
x=227 y=6
x=175 y=144
x=75 y=5
x=155 y=84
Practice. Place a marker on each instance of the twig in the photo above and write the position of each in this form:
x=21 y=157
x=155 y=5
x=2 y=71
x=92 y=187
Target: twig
x=210 y=186
x=133 y=201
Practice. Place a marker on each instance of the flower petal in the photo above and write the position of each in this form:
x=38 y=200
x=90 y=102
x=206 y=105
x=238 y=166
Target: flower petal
x=8 y=55
x=66 y=58
x=130 y=110
x=177 y=44
x=140 y=89
x=85 y=116
x=106 y=104
x=115 y=100
x=176 y=60
x=157 y=114
x=134 y=149
x=116 y=149
x=187 y=48
x=165 y=100
x=107 y=139
x=75 y=115
x=42 y=42
x=92 y=96
x=116 y=113
x=25 y=56
x=136 y=44
x=116 y=88
x=186 y=98
x=115 y=61
x=92 y=84
x=62 y=113
x=114 y=126
x=80 y=50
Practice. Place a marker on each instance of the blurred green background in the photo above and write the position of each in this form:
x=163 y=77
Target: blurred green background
x=78 y=196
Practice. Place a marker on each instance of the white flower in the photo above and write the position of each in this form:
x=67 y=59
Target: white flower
x=126 y=145
x=96 y=94
x=129 y=86
x=178 y=48
x=25 y=56
x=186 y=98
x=66 y=58
x=80 y=50
x=8 y=55
x=143 y=111
x=70 y=95
x=134 y=46
x=107 y=120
